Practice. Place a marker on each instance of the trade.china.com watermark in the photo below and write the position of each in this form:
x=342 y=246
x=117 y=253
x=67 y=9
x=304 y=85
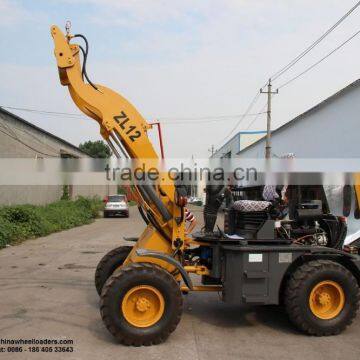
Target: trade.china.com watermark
x=182 y=173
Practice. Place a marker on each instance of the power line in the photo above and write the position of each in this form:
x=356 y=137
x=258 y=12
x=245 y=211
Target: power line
x=72 y=115
x=34 y=137
x=308 y=49
x=6 y=127
x=320 y=61
x=208 y=120
x=295 y=61
x=218 y=117
x=251 y=105
x=28 y=146
x=42 y=111
x=255 y=119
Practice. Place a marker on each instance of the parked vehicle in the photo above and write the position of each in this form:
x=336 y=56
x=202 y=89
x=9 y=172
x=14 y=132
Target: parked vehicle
x=195 y=201
x=116 y=205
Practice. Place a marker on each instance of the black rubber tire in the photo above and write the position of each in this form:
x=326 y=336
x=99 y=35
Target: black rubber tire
x=108 y=264
x=297 y=293
x=118 y=285
x=106 y=215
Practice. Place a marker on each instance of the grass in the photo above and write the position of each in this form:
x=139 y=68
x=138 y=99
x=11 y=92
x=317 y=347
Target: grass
x=21 y=222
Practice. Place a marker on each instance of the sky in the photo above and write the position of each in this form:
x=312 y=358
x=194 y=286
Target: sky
x=202 y=59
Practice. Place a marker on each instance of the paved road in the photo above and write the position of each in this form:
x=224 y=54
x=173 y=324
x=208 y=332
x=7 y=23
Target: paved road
x=47 y=291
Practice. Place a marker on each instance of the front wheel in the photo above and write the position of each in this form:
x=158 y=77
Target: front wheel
x=322 y=298
x=141 y=304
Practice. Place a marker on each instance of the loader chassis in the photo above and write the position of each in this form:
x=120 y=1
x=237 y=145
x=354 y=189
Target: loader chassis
x=250 y=274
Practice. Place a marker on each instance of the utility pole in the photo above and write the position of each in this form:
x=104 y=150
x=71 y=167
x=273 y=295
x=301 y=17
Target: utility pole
x=212 y=150
x=268 y=128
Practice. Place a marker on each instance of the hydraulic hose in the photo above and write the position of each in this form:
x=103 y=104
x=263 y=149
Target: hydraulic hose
x=85 y=55
x=141 y=211
x=150 y=192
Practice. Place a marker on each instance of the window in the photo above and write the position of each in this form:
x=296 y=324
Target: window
x=116 y=198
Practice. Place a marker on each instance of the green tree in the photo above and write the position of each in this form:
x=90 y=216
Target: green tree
x=96 y=149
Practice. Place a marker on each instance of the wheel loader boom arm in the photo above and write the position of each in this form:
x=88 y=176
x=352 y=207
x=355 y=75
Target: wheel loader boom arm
x=112 y=111
x=357 y=189
x=123 y=127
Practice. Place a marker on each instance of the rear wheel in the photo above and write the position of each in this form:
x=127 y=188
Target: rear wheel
x=141 y=304
x=322 y=298
x=108 y=264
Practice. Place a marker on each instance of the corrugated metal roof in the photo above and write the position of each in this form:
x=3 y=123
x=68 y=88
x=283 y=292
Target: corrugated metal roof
x=42 y=130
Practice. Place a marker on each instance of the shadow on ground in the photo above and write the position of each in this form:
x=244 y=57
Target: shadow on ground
x=210 y=309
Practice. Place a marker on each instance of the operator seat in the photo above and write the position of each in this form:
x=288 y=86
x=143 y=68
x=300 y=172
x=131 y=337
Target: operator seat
x=270 y=196
x=247 y=218
x=251 y=205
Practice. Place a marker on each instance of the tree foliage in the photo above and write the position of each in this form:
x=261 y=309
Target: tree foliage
x=96 y=149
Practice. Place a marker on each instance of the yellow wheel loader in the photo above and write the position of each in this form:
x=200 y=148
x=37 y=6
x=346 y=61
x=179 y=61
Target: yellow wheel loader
x=141 y=287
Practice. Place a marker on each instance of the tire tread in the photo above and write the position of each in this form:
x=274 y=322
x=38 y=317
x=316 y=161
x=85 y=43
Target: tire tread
x=294 y=289
x=100 y=269
x=153 y=271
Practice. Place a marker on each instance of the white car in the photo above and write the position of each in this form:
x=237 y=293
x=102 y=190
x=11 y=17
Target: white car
x=195 y=200
x=116 y=205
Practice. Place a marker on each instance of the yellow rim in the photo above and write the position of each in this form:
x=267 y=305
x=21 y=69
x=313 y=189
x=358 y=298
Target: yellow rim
x=327 y=299
x=143 y=306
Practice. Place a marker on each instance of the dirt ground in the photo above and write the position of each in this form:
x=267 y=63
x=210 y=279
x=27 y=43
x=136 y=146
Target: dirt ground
x=47 y=291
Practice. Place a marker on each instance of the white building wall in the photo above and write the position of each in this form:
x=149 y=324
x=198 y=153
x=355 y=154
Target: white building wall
x=238 y=142
x=329 y=131
x=231 y=147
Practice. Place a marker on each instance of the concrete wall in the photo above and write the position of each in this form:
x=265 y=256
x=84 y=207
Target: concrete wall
x=42 y=194
x=35 y=195
x=19 y=139
x=99 y=190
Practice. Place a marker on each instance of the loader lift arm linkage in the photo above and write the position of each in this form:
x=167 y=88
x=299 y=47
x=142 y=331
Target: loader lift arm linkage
x=122 y=126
